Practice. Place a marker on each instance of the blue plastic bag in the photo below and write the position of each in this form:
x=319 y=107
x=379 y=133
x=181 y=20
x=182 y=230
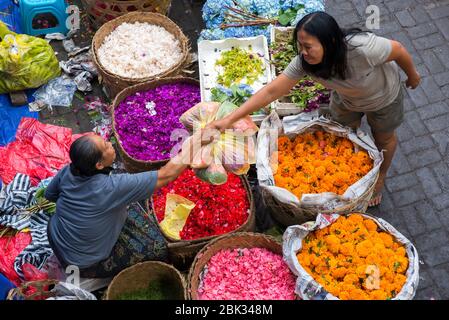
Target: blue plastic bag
x=5 y=287
x=10 y=117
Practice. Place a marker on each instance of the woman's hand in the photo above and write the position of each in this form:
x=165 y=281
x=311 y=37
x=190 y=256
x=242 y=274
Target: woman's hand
x=220 y=125
x=192 y=147
x=413 y=80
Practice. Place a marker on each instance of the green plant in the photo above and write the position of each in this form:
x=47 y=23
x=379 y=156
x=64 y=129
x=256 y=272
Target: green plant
x=288 y=16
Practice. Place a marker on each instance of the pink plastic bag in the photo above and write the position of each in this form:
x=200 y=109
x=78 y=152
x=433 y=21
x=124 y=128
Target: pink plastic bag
x=40 y=150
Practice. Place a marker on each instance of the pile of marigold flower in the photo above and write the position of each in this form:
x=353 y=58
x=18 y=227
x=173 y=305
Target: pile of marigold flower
x=353 y=260
x=318 y=162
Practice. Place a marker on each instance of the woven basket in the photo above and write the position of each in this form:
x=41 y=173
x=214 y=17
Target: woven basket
x=140 y=275
x=289 y=215
x=131 y=164
x=42 y=290
x=232 y=241
x=182 y=252
x=115 y=83
x=307 y=286
x=102 y=11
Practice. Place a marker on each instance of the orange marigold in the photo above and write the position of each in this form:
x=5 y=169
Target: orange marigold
x=348 y=256
x=329 y=163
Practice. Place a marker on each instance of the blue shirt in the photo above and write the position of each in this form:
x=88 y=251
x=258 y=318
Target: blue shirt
x=91 y=211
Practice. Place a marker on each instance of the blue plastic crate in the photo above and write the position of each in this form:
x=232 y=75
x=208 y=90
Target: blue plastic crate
x=40 y=17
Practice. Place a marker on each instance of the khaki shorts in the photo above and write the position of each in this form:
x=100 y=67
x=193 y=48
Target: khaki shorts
x=386 y=119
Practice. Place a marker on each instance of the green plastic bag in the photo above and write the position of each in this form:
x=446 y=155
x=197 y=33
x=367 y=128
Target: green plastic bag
x=25 y=61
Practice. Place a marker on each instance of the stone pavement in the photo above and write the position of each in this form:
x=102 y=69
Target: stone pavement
x=416 y=198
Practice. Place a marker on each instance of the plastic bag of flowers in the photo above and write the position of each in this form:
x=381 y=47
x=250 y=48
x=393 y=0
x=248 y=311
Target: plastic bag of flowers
x=308 y=165
x=233 y=151
x=352 y=257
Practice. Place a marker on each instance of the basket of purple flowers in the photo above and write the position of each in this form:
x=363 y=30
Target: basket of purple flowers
x=145 y=120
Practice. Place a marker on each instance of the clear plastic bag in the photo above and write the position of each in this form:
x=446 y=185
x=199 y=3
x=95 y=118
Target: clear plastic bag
x=58 y=92
x=233 y=151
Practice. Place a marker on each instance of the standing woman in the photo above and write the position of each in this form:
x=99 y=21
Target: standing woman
x=362 y=71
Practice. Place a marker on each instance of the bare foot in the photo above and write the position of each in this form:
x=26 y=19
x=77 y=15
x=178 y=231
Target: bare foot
x=377 y=195
x=375 y=200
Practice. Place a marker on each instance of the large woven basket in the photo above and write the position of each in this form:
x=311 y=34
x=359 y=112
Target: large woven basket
x=115 y=83
x=102 y=11
x=182 y=252
x=140 y=275
x=42 y=290
x=131 y=164
x=289 y=215
x=232 y=241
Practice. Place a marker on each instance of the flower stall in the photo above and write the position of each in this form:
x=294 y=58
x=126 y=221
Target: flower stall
x=315 y=177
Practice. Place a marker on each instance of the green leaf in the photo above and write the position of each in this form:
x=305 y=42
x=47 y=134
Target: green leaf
x=234 y=89
x=284 y=19
x=396 y=265
x=299 y=6
x=218 y=95
x=79 y=96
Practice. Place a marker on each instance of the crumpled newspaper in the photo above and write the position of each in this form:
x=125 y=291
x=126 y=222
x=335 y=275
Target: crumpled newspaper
x=177 y=210
x=59 y=35
x=82 y=68
x=79 y=65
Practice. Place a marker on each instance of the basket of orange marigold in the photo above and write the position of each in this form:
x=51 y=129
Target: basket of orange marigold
x=309 y=165
x=351 y=257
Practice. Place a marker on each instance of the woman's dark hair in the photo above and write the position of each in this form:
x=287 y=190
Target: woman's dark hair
x=84 y=155
x=334 y=42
